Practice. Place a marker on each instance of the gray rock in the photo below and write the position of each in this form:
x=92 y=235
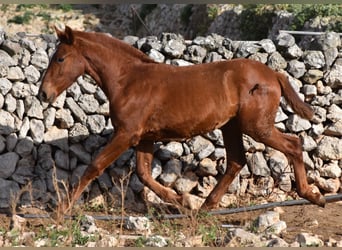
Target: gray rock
x=5 y=86
x=156 y=168
x=11 y=47
x=180 y=62
x=11 y=141
x=247 y=48
x=285 y=182
x=215 y=136
x=207 y=167
x=277 y=242
x=195 y=54
x=251 y=145
x=156 y=55
x=268 y=46
x=24 y=147
x=186 y=183
x=276 y=61
x=173 y=45
x=33 y=107
x=49 y=116
x=57 y=137
x=25 y=128
x=329 y=148
x=258 y=164
x=32 y=74
x=64 y=118
x=86 y=87
x=278 y=163
x=308 y=143
x=10 y=190
x=334 y=113
x=285 y=40
x=8 y=163
x=314 y=59
x=2 y=143
x=331 y=185
x=20 y=109
x=329 y=40
x=330 y=170
x=76 y=110
x=201 y=146
x=266 y=220
x=333 y=77
x=6 y=59
x=62 y=160
x=79 y=151
x=10 y=103
x=124 y=157
x=334 y=129
x=40 y=59
x=294 y=51
x=313 y=75
x=88 y=103
x=37 y=130
x=309 y=90
x=243 y=238
x=15 y=74
x=309 y=240
x=213 y=57
x=138 y=224
x=296 y=68
x=78 y=132
x=280 y=115
x=21 y=90
x=156 y=241
x=170 y=150
x=296 y=124
x=171 y=171
x=25 y=170
x=6 y=123
x=96 y=123
x=135 y=184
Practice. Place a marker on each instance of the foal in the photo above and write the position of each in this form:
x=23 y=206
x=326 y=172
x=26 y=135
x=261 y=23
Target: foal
x=151 y=102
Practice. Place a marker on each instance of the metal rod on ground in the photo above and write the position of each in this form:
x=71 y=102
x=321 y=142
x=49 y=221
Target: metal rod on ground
x=304 y=33
x=330 y=198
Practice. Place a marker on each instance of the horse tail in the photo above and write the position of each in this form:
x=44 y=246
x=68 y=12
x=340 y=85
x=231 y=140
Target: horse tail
x=301 y=108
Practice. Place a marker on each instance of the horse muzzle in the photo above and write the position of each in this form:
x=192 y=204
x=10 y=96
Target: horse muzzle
x=45 y=97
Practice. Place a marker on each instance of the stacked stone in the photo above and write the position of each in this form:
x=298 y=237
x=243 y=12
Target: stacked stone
x=44 y=148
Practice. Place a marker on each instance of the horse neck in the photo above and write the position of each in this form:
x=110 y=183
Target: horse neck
x=108 y=58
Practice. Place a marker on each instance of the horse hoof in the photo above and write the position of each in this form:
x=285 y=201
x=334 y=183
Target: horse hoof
x=321 y=201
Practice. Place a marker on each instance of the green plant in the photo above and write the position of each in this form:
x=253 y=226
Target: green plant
x=209 y=233
x=212 y=11
x=65 y=7
x=255 y=21
x=22 y=19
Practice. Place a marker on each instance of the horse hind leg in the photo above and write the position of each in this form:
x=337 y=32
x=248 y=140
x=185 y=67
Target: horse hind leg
x=291 y=146
x=236 y=159
x=143 y=170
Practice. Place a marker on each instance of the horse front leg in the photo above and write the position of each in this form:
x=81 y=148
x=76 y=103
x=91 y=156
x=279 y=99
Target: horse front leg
x=118 y=144
x=143 y=168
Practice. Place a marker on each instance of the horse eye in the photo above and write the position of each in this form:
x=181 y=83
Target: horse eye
x=60 y=59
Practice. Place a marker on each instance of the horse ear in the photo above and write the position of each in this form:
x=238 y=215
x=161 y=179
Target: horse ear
x=65 y=36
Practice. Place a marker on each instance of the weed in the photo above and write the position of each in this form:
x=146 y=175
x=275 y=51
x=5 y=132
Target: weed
x=65 y=7
x=22 y=19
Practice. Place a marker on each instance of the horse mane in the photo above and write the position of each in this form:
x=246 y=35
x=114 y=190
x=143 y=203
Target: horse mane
x=114 y=44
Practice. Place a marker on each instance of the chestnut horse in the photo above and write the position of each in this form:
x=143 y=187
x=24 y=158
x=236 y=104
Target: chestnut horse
x=152 y=101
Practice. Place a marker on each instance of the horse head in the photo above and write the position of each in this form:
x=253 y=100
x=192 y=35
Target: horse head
x=66 y=65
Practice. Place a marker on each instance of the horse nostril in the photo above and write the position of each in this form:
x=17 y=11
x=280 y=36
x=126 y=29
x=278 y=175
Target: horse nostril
x=42 y=96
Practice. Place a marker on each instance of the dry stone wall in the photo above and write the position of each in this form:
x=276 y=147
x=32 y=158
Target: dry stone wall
x=44 y=146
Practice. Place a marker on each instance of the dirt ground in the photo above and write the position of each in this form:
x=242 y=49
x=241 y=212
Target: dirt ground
x=324 y=222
